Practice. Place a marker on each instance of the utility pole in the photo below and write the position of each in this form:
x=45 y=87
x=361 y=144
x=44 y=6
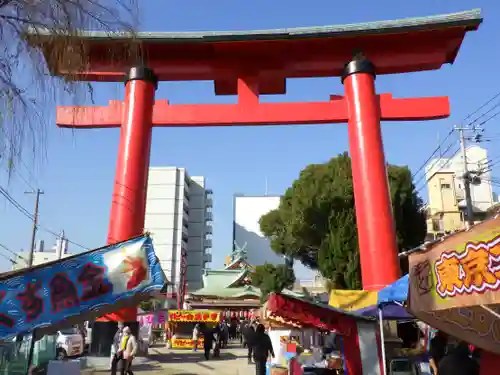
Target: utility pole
x=38 y=192
x=466 y=176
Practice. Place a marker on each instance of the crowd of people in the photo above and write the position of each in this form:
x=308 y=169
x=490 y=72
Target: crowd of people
x=251 y=335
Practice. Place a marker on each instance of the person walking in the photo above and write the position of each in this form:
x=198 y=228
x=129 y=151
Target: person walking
x=127 y=351
x=262 y=348
x=248 y=336
x=114 y=360
x=196 y=336
x=208 y=342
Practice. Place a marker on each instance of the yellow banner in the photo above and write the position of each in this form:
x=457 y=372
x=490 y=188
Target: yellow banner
x=201 y=316
x=186 y=343
x=352 y=300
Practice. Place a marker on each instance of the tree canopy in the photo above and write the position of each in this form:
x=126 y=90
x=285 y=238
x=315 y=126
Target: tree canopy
x=272 y=279
x=315 y=222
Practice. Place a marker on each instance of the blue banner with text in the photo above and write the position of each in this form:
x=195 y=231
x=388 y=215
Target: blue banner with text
x=48 y=294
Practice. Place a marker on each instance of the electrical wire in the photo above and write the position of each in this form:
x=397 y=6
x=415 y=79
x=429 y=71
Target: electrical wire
x=26 y=213
x=470 y=115
x=12 y=252
x=424 y=176
x=438 y=148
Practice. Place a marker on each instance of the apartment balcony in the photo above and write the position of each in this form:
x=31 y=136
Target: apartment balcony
x=207 y=242
x=209 y=202
x=207 y=257
x=208 y=216
x=208 y=229
x=185 y=231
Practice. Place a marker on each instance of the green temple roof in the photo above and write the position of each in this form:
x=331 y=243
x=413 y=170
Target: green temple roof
x=237 y=292
x=226 y=283
x=467 y=19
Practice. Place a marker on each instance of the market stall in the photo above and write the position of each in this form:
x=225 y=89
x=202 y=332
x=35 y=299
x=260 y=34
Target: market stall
x=357 y=334
x=454 y=287
x=182 y=322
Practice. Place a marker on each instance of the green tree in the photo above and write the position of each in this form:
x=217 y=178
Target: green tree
x=150 y=304
x=272 y=279
x=315 y=222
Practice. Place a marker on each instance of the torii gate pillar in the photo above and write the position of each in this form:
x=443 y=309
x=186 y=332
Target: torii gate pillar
x=376 y=230
x=128 y=205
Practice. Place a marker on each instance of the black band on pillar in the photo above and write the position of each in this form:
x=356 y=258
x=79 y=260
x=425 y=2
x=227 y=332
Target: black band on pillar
x=141 y=73
x=361 y=65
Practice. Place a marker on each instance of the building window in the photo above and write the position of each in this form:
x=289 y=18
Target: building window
x=445 y=186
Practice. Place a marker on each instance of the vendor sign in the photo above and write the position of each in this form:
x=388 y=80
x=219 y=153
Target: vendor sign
x=156 y=318
x=79 y=287
x=195 y=316
x=454 y=285
x=186 y=343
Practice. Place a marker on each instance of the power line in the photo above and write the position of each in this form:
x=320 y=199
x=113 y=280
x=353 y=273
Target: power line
x=471 y=123
x=438 y=148
x=12 y=252
x=436 y=162
x=26 y=213
x=481 y=107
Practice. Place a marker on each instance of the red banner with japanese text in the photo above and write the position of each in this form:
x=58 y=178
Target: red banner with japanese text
x=454 y=285
x=201 y=316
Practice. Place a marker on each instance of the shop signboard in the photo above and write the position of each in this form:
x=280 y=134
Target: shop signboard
x=194 y=316
x=78 y=288
x=159 y=317
x=180 y=343
x=454 y=285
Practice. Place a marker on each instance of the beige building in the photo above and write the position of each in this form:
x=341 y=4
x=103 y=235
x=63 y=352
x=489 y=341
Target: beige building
x=445 y=185
x=443 y=211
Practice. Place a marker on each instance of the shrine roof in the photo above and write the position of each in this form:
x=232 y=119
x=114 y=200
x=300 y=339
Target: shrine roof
x=234 y=292
x=397 y=46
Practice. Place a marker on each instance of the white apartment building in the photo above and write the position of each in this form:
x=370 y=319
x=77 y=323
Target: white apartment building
x=477 y=160
x=178 y=216
x=42 y=255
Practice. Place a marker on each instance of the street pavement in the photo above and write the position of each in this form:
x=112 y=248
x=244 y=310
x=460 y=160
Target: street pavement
x=232 y=361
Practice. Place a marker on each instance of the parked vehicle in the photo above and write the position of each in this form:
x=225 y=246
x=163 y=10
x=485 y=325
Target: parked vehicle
x=70 y=343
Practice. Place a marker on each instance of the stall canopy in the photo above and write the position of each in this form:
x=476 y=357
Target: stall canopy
x=390 y=302
x=395 y=292
x=300 y=312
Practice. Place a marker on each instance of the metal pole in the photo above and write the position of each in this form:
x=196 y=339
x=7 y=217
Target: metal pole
x=466 y=177
x=35 y=226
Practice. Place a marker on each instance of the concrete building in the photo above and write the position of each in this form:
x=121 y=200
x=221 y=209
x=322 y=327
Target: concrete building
x=445 y=184
x=42 y=255
x=178 y=216
x=246 y=229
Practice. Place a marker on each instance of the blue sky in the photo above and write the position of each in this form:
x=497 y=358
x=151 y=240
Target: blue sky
x=77 y=172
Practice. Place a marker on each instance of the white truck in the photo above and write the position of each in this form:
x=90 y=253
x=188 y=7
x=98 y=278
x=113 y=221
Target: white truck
x=70 y=343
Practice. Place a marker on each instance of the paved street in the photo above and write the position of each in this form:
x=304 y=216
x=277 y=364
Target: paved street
x=163 y=361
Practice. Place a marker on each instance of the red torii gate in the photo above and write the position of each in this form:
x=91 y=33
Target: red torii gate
x=249 y=64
